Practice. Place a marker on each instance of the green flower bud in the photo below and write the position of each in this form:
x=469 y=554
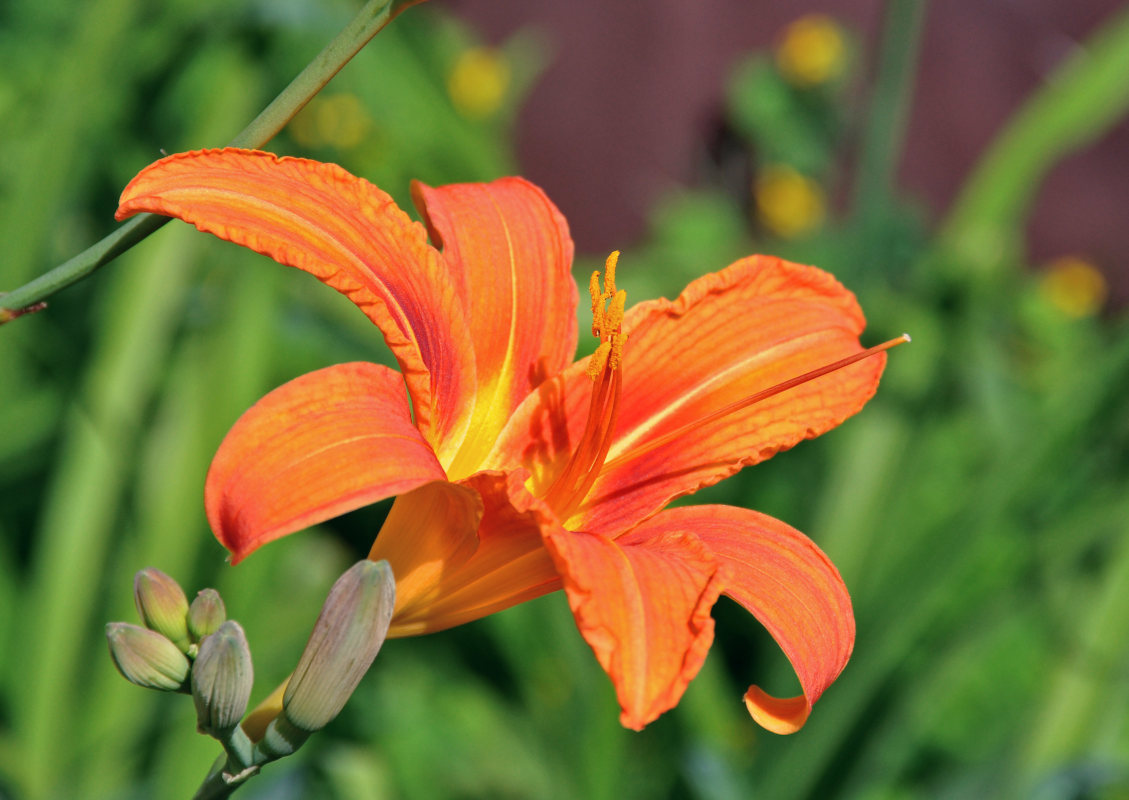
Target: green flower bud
x=162 y=605
x=206 y=613
x=345 y=640
x=221 y=679
x=146 y=657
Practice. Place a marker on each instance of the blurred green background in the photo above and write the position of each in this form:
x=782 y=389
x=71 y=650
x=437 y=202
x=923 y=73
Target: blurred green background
x=977 y=508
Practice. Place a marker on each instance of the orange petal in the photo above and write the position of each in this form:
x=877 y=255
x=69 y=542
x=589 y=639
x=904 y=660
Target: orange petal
x=781 y=715
x=787 y=583
x=348 y=234
x=643 y=604
x=510 y=247
x=731 y=334
x=453 y=566
x=328 y=442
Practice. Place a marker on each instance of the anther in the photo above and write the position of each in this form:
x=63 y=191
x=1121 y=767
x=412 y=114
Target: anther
x=609 y=273
x=599 y=360
x=597 y=303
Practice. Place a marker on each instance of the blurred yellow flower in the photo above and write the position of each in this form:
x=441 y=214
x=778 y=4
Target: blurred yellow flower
x=338 y=120
x=479 y=82
x=788 y=203
x=1074 y=286
x=812 y=51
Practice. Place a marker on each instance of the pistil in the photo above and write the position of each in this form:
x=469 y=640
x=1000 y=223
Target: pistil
x=757 y=397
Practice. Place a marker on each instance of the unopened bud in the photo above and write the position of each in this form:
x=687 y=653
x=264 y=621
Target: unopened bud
x=222 y=678
x=206 y=614
x=343 y=645
x=146 y=657
x=162 y=605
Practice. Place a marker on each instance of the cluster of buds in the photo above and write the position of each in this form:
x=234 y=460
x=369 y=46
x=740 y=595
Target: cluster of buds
x=159 y=655
x=194 y=649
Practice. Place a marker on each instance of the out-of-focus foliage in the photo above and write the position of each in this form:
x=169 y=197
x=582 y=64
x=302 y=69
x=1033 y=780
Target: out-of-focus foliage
x=977 y=508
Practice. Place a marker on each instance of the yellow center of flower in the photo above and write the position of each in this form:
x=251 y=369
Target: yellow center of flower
x=578 y=475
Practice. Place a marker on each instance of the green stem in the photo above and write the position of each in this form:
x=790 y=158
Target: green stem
x=890 y=106
x=229 y=773
x=367 y=23
x=222 y=782
x=1081 y=100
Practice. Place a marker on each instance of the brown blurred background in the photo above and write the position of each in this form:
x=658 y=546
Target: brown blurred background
x=631 y=100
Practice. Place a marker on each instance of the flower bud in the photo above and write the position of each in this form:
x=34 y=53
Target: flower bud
x=345 y=640
x=222 y=679
x=146 y=657
x=206 y=614
x=162 y=605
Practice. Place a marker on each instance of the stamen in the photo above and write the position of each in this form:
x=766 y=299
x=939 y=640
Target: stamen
x=578 y=475
x=597 y=303
x=613 y=318
x=591 y=448
x=601 y=326
x=599 y=360
x=597 y=462
x=609 y=273
x=616 y=354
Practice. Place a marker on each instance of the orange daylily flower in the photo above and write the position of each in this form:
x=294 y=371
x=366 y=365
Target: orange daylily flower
x=518 y=472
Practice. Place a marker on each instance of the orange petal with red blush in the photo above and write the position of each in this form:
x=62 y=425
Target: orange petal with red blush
x=345 y=232
x=643 y=605
x=510 y=247
x=323 y=444
x=791 y=587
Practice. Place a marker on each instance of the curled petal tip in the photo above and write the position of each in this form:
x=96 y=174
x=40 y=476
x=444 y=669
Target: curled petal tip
x=781 y=715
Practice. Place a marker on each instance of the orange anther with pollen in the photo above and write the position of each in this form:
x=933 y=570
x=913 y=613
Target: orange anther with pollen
x=613 y=317
x=597 y=303
x=599 y=360
x=613 y=322
x=609 y=273
x=600 y=325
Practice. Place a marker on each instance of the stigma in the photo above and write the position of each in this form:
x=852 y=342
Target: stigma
x=757 y=397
